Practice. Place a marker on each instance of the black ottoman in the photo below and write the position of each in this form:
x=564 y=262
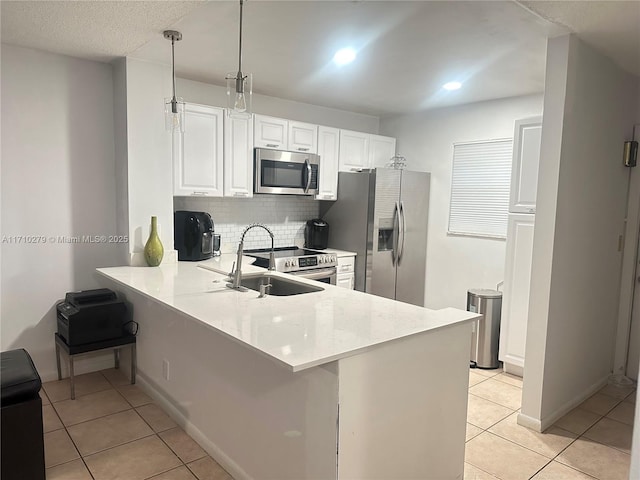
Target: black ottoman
x=22 y=444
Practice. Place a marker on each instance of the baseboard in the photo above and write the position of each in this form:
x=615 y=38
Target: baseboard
x=529 y=422
x=155 y=392
x=544 y=423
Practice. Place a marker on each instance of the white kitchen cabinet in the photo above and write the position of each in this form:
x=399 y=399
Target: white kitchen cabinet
x=270 y=132
x=329 y=151
x=198 y=153
x=515 y=303
x=381 y=150
x=524 y=170
x=354 y=151
x=346 y=271
x=303 y=137
x=238 y=157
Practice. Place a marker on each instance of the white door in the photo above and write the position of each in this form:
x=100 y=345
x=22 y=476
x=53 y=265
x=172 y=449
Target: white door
x=515 y=301
x=328 y=149
x=354 y=151
x=633 y=357
x=270 y=132
x=524 y=169
x=381 y=150
x=238 y=157
x=303 y=137
x=197 y=155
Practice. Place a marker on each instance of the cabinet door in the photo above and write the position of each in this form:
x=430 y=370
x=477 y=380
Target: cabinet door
x=303 y=137
x=238 y=157
x=270 y=132
x=524 y=170
x=381 y=150
x=197 y=153
x=328 y=149
x=515 y=302
x=345 y=280
x=354 y=151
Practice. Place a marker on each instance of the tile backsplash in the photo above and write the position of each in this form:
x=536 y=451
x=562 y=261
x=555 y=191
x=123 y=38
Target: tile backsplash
x=284 y=215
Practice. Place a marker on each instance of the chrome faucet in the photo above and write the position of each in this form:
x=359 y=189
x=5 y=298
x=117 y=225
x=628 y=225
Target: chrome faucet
x=236 y=273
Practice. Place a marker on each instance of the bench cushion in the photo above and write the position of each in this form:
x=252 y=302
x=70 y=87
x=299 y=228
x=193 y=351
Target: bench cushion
x=18 y=376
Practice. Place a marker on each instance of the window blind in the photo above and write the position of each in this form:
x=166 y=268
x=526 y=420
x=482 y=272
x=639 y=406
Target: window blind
x=480 y=188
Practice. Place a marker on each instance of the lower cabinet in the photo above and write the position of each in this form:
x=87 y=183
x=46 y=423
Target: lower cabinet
x=346 y=272
x=515 y=302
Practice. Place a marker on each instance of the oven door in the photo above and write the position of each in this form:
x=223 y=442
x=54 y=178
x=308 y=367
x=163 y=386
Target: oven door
x=285 y=172
x=323 y=275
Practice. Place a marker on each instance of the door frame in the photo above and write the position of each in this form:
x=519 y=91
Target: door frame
x=629 y=263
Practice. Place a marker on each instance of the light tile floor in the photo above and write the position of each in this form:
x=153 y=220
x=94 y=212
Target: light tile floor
x=113 y=430
x=592 y=441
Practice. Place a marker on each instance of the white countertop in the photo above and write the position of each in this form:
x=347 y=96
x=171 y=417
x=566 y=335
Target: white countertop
x=299 y=331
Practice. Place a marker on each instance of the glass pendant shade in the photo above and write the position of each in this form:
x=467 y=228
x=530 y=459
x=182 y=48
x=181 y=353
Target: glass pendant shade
x=174 y=114
x=239 y=94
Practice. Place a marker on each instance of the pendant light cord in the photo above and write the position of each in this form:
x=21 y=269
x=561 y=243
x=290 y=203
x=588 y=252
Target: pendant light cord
x=174 y=100
x=240 y=43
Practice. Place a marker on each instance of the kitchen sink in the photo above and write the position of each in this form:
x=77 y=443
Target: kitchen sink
x=280 y=287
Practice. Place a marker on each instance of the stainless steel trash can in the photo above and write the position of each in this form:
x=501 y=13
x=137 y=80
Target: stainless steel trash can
x=486 y=331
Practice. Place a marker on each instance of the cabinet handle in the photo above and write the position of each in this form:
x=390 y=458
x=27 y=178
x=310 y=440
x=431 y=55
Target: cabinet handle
x=356 y=169
x=303 y=149
x=199 y=193
x=240 y=194
x=272 y=145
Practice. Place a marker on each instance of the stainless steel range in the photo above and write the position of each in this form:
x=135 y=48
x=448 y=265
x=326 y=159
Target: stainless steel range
x=299 y=261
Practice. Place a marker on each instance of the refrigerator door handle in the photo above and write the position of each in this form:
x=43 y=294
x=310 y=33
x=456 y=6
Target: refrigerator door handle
x=403 y=231
x=396 y=234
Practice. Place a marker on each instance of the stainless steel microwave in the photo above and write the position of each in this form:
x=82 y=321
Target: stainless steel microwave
x=290 y=173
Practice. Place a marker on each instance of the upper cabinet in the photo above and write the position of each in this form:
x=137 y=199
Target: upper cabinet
x=198 y=153
x=238 y=157
x=381 y=150
x=303 y=137
x=328 y=149
x=524 y=171
x=282 y=134
x=363 y=150
x=270 y=132
x=354 y=151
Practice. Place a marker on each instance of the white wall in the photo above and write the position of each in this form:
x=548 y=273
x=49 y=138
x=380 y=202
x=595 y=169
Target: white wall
x=454 y=263
x=589 y=111
x=207 y=94
x=149 y=161
x=58 y=179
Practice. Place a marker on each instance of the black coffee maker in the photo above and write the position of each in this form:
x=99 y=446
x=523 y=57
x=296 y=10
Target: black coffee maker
x=193 y=235
x=316 y=234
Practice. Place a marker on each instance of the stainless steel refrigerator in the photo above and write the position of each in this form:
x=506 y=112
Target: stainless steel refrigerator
x=381 y=214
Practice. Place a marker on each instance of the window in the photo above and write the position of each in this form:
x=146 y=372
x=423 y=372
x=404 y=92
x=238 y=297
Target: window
x=480 y=188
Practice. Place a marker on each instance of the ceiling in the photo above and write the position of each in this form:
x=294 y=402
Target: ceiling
x=406 y=50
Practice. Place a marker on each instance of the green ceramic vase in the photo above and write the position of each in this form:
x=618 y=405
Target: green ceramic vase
x=153 y=249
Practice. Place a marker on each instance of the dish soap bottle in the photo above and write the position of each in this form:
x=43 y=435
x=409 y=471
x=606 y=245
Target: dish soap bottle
x=153 y=249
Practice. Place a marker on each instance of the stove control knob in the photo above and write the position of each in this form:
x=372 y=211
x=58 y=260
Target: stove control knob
x=289 y=263
x=320 y=259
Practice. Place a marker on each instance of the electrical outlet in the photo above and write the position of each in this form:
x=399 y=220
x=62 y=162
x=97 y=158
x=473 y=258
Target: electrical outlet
x=165 y=369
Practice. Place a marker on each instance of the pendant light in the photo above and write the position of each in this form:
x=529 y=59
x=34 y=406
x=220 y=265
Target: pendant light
x=239 y=85
x=174 y=106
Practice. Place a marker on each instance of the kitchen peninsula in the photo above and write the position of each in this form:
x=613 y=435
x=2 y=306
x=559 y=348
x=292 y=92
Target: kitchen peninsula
x=324 y=385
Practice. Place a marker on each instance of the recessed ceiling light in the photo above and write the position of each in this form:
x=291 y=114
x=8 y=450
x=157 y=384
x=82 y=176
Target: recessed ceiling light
x=452 y=85
x=344 y=56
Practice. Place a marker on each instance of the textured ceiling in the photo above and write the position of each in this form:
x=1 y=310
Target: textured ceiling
x=406 y=50
x=96 y=30
x=612 y=27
